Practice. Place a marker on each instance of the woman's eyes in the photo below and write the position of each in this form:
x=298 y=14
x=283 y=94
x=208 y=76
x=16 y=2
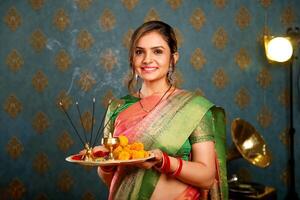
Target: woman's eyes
x=155 y=51
x=158 y=51
x=138 y=52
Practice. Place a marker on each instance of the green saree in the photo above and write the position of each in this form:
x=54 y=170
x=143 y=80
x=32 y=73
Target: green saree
x=167 y=127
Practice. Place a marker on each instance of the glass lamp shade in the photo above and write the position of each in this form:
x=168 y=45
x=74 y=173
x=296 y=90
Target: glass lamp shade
x=279 y=49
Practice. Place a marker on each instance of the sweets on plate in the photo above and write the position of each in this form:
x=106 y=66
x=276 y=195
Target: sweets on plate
x=127 y=151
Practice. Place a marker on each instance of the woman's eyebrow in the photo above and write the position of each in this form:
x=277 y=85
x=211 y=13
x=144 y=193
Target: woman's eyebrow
x=155 y=47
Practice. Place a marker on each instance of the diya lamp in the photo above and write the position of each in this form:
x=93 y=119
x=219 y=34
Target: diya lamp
x=110 y=143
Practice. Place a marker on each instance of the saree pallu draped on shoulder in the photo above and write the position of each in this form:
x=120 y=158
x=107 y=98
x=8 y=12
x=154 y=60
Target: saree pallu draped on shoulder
x=167 y=127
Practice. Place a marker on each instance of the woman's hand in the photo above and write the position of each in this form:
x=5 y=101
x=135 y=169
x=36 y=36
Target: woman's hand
x=82 y=152
x=156 y=161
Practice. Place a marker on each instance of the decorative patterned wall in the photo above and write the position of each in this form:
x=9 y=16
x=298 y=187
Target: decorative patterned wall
x=75 y=50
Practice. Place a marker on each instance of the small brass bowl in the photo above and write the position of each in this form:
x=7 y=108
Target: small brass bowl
x=110 y=143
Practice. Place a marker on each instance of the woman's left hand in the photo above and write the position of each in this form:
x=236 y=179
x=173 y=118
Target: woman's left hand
x=156 y=161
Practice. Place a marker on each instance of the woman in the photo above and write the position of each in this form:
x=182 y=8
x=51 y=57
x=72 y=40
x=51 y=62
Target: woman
x=176 y=125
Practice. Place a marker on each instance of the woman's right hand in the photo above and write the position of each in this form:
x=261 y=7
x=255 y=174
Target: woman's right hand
x=153 y=162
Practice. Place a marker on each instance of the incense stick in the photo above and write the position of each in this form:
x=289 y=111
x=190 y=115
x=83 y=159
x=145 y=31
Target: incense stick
x=107 y=122
x=91 y=134
x=84 y=132
x=101 y=125
x=70 y=120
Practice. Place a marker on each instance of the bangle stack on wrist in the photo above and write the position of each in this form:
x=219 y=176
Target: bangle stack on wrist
x=179 y=168
x=166 y=166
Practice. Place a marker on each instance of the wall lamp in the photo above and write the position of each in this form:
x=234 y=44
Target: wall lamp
x=282 y=50
x=278 y=49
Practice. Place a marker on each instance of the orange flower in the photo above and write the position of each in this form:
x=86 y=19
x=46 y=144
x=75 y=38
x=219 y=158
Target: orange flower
x=117 y=151
x=124 y=155
x=137 y=146
x=126 y=151
x=123 y=140
x=137 y=154
x=146 y=154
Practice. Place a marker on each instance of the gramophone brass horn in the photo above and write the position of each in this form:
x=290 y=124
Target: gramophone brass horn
x=249 y=144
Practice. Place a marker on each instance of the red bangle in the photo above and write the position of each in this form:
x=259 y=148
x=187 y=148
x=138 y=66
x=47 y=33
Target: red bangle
x=179 y=168
x=162 y=163
x=165 y=166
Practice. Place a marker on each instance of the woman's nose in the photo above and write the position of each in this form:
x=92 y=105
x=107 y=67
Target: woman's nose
x=147 y=58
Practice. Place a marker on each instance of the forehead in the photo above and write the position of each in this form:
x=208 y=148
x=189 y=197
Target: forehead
x=152 y=39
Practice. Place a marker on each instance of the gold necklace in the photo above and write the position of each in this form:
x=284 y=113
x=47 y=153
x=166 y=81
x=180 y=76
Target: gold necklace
x=147 y=111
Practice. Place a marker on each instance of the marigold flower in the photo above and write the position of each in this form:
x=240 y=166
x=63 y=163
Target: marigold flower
x=124 y=155
x=137 y=154
x=137 y=146
x=123 y=140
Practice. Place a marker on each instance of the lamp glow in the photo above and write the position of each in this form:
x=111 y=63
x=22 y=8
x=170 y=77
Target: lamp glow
x=278 y=49
x=248 y=144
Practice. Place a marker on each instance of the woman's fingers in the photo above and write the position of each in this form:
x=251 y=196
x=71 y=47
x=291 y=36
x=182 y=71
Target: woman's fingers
x=144 y=165
x=83 y=151
x=148 y=164
x=158 y=155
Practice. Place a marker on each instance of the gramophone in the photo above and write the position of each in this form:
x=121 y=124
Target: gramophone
x=250 y=145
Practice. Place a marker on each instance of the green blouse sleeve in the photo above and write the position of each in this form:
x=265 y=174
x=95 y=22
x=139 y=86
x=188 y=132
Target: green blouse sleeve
x=204 y=131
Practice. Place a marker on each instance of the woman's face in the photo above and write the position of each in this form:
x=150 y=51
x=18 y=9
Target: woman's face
x=152 y=57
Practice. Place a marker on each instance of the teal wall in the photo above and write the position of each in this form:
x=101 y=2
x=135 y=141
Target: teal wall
x=222 y=57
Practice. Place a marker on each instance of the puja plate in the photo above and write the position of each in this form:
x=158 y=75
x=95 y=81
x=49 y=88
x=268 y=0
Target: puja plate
x=103 y=162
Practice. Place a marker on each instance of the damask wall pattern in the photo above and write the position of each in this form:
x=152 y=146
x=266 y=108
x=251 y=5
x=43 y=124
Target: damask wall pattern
x=74 y=50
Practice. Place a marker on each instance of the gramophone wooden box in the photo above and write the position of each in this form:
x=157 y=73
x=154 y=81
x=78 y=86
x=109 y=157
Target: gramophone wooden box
x=269 y=193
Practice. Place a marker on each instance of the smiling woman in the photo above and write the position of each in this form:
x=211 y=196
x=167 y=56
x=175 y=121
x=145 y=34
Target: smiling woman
x=152 y=58
x=153 y=47
x=178 y=127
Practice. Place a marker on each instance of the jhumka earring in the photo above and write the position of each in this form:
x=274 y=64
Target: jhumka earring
x=137 y=80
x=170 y=75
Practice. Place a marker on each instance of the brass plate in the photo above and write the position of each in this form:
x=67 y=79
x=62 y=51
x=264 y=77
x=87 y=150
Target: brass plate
x=108 y=162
